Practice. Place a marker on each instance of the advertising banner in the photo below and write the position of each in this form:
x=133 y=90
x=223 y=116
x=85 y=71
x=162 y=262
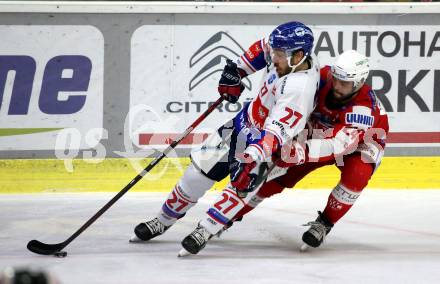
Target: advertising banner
x=51 y=83
x=175 y=72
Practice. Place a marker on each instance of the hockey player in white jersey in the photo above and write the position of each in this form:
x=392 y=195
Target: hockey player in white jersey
x=244 y=145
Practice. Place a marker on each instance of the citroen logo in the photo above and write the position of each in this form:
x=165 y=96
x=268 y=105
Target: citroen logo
x=216 y=49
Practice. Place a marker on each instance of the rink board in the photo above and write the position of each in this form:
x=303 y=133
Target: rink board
x=51 y=175
x=156 y=67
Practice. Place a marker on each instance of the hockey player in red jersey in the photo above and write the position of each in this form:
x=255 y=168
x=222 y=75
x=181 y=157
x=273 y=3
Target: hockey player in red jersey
x=349 y=130
x=278 y=113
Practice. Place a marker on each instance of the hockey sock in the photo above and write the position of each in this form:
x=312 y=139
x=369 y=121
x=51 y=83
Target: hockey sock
x=253 y=202
x=185 y=195
x=221 y=212
x=339 y=202
x=227 y=208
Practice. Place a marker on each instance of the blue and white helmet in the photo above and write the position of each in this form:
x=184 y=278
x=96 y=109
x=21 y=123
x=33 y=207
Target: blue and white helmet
x=291 y=37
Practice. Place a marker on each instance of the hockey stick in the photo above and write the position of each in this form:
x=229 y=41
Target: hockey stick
x=55 y=249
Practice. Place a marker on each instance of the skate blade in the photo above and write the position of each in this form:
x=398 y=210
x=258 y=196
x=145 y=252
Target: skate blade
x=304 y=248
x=135 y=239
x=183 y=252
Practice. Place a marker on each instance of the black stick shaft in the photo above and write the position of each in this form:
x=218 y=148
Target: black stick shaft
x=144 y=172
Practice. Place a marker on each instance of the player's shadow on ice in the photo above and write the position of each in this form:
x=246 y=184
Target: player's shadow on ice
x=286 y=247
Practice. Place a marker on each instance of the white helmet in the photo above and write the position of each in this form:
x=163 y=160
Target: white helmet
x=353 y=67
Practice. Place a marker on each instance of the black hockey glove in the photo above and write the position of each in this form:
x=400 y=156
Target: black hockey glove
x=230 y=86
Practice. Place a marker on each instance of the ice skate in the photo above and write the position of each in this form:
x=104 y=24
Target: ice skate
x=184 y=252
x=196 y=241
x=317 y=232
x=148 y=230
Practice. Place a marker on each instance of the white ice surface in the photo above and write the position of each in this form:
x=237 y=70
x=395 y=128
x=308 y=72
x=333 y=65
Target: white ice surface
x=388 y=237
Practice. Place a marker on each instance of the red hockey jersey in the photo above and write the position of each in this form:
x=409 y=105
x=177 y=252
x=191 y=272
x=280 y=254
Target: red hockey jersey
x=364 y=113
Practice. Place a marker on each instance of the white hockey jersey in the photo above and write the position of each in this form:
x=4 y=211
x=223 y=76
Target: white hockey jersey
x=283 y=105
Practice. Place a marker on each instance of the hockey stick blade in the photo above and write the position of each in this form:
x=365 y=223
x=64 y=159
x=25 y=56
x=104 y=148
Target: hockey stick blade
x=45 y=249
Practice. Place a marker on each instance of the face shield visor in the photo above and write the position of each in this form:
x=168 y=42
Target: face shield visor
x=279 y=54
